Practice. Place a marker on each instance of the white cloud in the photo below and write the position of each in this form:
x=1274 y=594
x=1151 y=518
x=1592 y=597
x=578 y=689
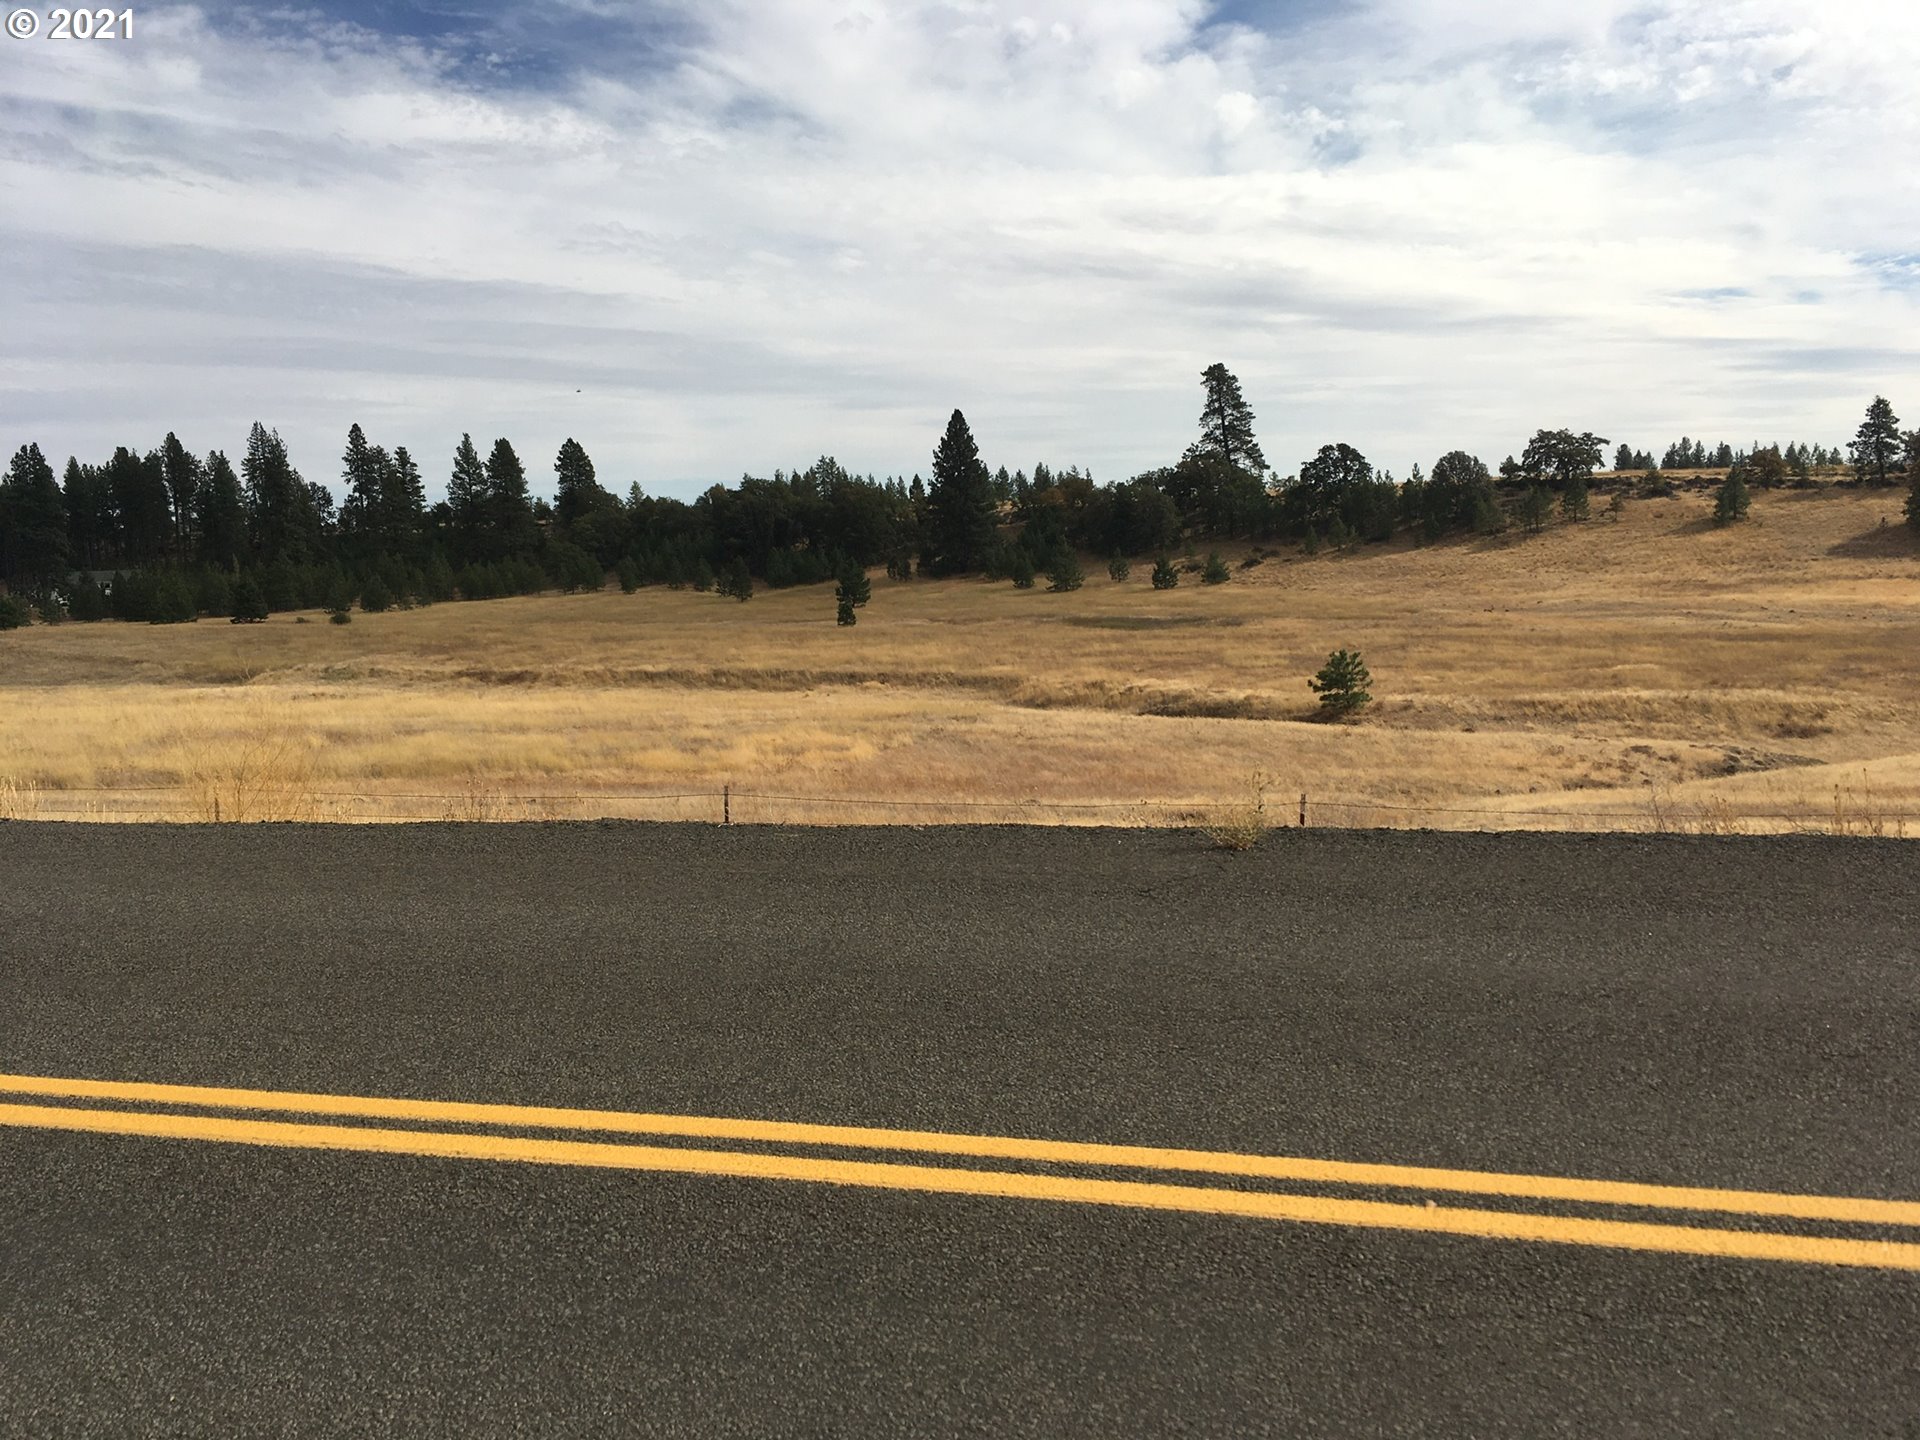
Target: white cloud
x=1413 y=225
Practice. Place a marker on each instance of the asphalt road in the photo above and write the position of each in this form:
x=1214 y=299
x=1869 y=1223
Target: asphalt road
x=1739 y=1013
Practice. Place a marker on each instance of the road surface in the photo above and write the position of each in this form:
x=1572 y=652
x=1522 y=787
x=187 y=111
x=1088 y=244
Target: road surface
x=1443 y=1134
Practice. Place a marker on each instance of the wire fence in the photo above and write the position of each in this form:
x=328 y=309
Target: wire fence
x=1850 y=813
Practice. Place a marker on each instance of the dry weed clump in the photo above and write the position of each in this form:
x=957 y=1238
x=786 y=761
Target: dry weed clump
x=1241 y=825
x=1858 y=812
x=258 y=767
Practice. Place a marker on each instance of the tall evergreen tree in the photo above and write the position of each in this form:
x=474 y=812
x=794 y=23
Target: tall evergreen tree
x=362 y=468
x=1876 y=444
x=89 y=505
x=509 y=508
x=281 y=513
x=33 y=523
x=403 y=505
x=220 y=519
x=143 y=511
x=1226 y=422
x=960 y=508
x=180 y=469
x=467 y=501
x=578 y=494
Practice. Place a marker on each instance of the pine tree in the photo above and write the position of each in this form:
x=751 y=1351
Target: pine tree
x=578 y=494
x=467 y=500
x=512 y=530
x=249 y=605
x=1216 y=572
x=220 y=520
x=735 y=581
x=1226 y=422
x=960 y=508
x=1022 y=570
x=173 y=602
x=180 y=469
x=843 y=611
x=280 y=509
x=141 y=508
x=853 y=587
x=1876 y=444
x=33 y=523
x=1165 y=577
x=1066 y=573
x=1119 y=568
x=1342 y=683
x=1574 y=503
x=1534 y=509
x=403 y=504
x=1730 y=502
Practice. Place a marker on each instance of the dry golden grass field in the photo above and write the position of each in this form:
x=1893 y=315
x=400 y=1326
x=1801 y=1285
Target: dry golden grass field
x=1650 y=672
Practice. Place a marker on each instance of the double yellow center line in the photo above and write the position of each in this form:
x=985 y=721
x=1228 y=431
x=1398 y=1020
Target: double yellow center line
x=196 y=1112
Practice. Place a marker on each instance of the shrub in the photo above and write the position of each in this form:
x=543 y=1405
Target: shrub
x=1617 y=506
x=1310 y=542
x=1119 y=567
x=1342 y=683
x=1165 y=577
x=339 y=617
x=1216 y=572
x=1066 y=573
x=13 y=612
x=843 y=612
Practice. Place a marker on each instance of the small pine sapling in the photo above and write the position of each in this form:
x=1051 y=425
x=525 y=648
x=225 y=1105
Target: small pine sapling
x=1342 y=683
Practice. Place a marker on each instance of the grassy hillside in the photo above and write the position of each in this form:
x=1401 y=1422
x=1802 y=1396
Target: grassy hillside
x=1650 y=670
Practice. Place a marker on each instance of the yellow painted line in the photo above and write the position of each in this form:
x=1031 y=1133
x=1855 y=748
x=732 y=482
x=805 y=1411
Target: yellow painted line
x=990 y=1147
x=1489 y=1224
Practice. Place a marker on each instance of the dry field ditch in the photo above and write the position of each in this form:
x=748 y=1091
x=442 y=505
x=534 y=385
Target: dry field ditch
x=1650 y=672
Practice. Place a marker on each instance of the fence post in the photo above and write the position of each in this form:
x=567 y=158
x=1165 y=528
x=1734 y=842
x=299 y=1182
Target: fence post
x=726 y=803
x=1303 y=809
x=216 y=809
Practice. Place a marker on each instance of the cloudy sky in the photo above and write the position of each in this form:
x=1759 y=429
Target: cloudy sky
x=726 y=236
